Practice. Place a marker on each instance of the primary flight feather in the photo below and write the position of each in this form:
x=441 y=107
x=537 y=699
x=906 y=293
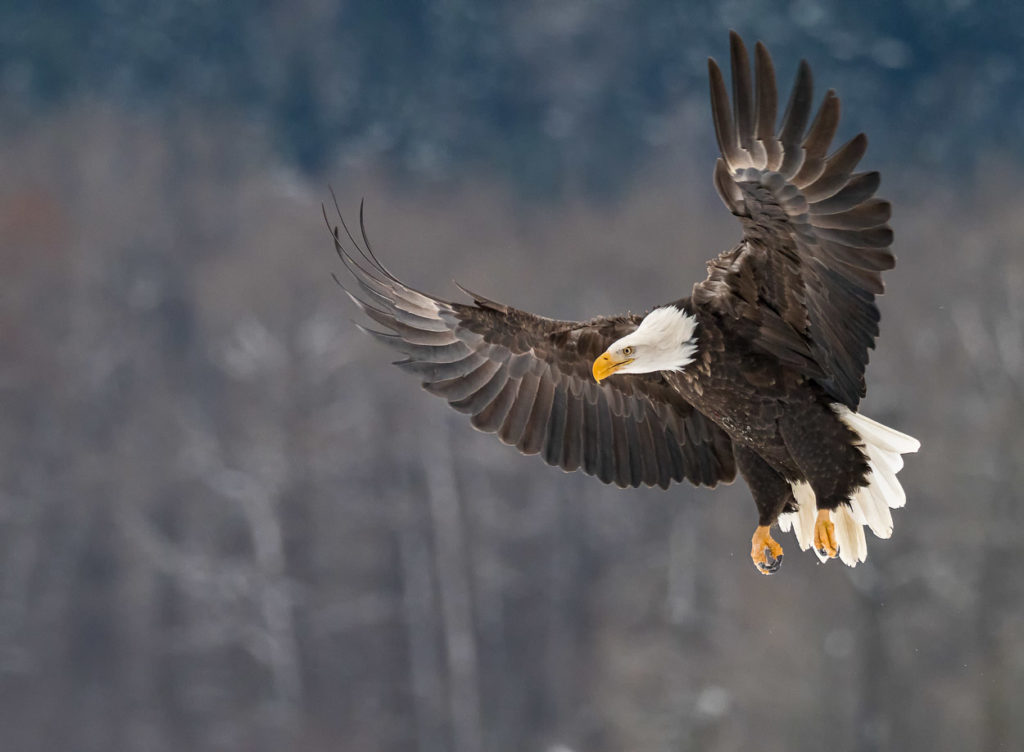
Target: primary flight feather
x=760 y=369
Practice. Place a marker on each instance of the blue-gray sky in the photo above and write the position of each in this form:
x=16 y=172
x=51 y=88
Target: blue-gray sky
x=539 y=93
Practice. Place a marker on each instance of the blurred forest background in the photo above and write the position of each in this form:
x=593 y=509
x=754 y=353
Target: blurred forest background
x=226 y=523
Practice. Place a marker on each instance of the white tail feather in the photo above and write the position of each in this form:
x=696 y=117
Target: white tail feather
x=853 y=546
x=875 y=434
x=870 y=504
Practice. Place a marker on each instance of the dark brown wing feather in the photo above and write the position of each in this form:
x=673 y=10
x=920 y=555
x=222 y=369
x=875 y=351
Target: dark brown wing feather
x=804 y=279
x=528 y=379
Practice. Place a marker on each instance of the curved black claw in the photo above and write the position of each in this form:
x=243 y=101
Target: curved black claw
x=771 y=564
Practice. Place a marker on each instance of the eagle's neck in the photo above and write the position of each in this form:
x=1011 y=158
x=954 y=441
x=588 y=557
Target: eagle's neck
x=671 y=333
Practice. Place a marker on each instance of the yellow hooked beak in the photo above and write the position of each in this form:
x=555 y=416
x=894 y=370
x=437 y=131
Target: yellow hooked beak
x=604 y=366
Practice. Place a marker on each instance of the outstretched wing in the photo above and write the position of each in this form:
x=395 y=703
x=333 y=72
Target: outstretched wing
x=815 y=240
x=528 y=379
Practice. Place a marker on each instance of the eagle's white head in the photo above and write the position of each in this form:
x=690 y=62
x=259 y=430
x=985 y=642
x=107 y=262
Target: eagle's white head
x=664 y=341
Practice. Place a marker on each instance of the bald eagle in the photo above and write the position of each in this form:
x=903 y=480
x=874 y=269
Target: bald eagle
x=760 y=369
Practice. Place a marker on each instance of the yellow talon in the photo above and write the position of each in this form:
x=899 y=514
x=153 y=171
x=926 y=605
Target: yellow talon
x=765 y=552
x=825 y=535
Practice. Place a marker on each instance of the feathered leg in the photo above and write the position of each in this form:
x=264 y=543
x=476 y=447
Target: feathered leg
x=771 y=493
x=826 y=452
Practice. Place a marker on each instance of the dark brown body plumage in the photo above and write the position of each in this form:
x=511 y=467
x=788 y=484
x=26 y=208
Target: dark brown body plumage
x=781 y=423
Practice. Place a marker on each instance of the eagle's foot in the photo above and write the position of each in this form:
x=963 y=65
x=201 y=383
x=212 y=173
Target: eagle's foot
x=825 y=535
x=765 y=552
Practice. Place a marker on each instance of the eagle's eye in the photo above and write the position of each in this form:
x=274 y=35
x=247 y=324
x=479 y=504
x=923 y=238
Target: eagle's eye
x=628 y=351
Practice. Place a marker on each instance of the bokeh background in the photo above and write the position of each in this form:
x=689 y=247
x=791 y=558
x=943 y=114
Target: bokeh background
x=226 y=523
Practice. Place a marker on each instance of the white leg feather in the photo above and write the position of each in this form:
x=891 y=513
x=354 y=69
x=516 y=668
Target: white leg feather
x=802 y=520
